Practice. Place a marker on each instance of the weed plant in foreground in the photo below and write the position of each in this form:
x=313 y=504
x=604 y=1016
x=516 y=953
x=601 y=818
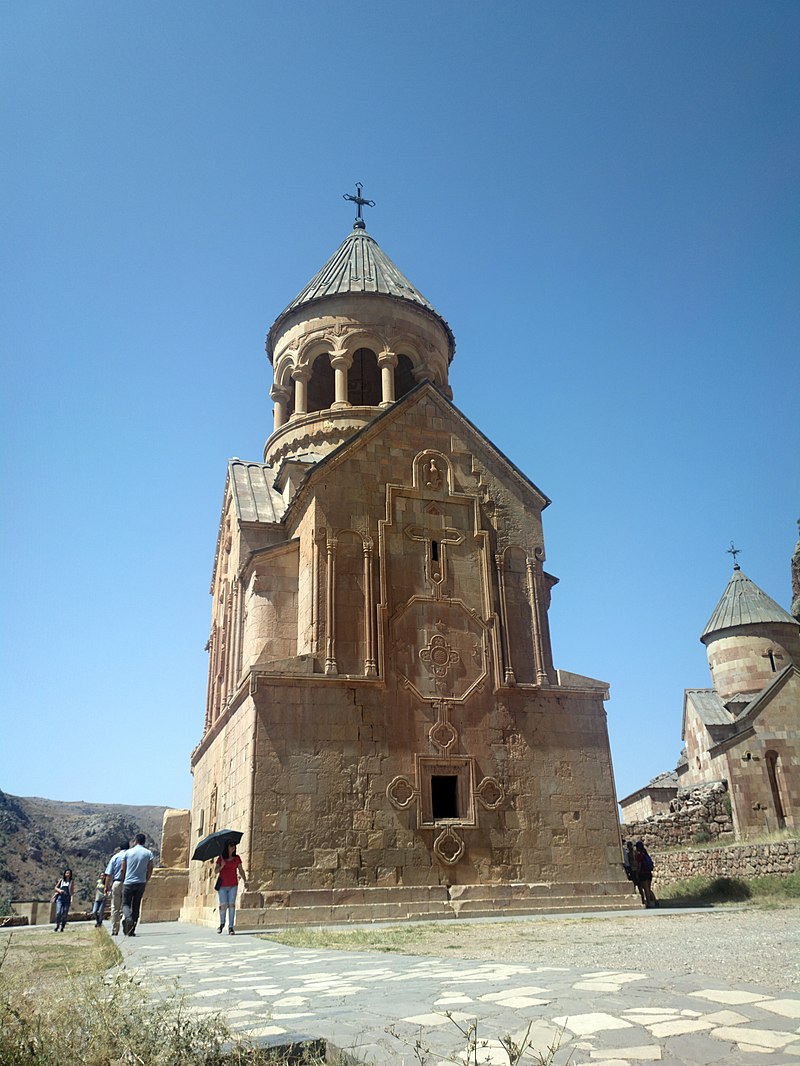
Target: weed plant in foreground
x=59 y=1004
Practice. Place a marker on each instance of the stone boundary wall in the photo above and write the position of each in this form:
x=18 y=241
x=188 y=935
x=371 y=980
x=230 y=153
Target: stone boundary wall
x=735 y=860
x=703 y=811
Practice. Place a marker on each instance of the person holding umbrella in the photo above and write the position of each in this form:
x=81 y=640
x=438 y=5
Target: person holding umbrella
x=221 y=845
x=229 y=870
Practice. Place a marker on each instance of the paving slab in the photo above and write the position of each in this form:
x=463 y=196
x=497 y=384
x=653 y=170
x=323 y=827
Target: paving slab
x=379 y=1007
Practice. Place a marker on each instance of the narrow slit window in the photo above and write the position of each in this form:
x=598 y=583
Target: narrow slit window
x=444 y=796
x=435 y=555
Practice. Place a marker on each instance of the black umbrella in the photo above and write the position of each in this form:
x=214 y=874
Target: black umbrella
x=214 y=844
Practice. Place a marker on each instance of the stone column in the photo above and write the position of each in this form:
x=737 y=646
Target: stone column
x=280 y=397
x=535 y=596
x=370 y=665
x=331 y=666
x=314 y=644
x=236 y=658
x=210 y=682
x=387 y=361
x=301 y=374
x=341 y=361
x=508 y=673
x=230 y=639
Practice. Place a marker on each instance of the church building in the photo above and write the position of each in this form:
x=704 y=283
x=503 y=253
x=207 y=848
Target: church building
x=746 y=729
x=385 y=722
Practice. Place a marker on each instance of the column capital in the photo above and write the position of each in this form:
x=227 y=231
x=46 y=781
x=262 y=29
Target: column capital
x=387 y=358
x=341 y=359
x=279 y=394
x=301 y=373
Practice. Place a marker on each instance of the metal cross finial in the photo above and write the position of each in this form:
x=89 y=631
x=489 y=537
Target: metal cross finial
x=734 y=552
x=360 y=202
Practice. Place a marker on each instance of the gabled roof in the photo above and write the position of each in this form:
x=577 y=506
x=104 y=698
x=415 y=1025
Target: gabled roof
x=395 y=411
x=744 y=720
x=708 y=705
x=765 y=695
x=666 y=779
x=359 y=265
x=254 y=497
x=743 y=603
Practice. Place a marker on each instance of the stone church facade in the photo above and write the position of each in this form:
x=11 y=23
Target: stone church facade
x=384 y=719
x=742 y=736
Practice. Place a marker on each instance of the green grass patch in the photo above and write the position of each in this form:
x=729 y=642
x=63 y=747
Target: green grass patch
x=772 y=889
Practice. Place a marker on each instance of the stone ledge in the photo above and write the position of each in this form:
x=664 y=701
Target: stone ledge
x=324 y=906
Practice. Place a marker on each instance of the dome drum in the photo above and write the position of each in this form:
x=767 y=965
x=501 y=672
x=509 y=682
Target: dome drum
x=362 y=354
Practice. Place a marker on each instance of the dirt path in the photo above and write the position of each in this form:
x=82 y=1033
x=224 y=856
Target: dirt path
x=738 y=944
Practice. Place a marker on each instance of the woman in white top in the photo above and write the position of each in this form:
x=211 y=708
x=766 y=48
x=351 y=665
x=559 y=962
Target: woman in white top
x=62 y=897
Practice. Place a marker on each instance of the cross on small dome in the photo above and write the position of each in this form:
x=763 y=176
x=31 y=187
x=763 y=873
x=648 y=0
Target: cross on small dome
x=360 y=202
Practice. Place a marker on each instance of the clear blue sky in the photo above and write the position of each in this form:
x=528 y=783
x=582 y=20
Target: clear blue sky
x=600 y=198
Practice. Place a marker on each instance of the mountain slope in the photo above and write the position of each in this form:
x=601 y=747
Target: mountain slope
x=39 y=837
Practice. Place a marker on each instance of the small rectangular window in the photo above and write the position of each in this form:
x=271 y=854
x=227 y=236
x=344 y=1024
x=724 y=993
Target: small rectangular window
x=444 y=796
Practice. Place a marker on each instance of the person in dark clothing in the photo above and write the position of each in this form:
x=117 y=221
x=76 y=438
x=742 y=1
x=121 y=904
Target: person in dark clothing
x=644 y=872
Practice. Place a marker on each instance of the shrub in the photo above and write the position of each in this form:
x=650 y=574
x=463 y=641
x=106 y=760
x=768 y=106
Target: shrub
x=98 y=1022
x=703 y=835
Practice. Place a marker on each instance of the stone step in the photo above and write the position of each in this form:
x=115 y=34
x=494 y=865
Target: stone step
x=477 y=902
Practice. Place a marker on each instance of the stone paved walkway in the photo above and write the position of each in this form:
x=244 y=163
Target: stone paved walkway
x=609 y=1018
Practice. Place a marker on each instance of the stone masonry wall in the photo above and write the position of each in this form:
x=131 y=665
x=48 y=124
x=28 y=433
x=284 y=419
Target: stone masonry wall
x=703 y=811
x=736 y=860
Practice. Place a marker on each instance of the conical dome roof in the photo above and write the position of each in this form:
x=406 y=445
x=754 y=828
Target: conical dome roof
x=359 y=265
x=743 y=603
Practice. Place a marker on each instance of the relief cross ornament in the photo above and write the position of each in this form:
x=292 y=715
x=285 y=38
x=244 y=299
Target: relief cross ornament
x=439 y=656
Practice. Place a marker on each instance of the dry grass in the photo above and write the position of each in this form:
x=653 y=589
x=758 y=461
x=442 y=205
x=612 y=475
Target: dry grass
x=42 y=957
x=60 y=1001
x=751 y=942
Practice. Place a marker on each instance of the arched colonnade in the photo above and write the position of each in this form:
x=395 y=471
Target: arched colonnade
x=362 y=372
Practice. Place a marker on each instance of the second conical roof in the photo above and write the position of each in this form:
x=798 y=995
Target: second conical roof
x=743 y=603
x=359 y=265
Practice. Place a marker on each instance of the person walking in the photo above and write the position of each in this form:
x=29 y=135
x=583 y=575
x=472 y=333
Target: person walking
x=229 y=870
x=99 y=905
x=113 y=876
x=62 y=897
x=137 y=869
x=644 y=873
